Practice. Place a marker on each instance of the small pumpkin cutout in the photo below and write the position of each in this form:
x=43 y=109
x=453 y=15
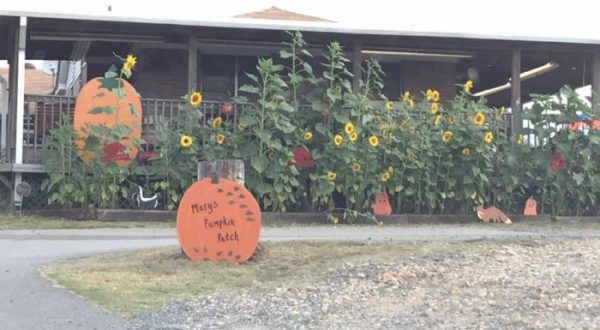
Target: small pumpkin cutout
x=530 y=207
x=218 y=221
x=382 y=205
x=94 y=96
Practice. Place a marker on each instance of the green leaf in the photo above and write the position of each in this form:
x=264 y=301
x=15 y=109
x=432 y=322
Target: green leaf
x=579 y=178
x=263 y=135
x=249 y=89
x=259 y=163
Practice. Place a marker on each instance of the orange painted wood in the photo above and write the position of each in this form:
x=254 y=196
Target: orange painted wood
x=92 y=95
x=382 y=205
x=530 y=207
x=218 y=221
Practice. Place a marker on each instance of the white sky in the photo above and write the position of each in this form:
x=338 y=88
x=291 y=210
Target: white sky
x=532 y=19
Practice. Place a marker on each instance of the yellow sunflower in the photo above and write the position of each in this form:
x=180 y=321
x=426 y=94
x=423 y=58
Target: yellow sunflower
x=438 y=120
x=450 y=120
x=356 y=167
x=435 y=96
x=391 y=169
x=479 y=119
x=389 y=105
x=385 y=176
x=337 y=140
x=217 y=122
x=447 y=136
x=220 y=138
x=468 y=86
x=488 y=137
x=349 y=128
x=434 y=107
x=353 y=136
x=466 y=152
x=520 y=139
x=195 y=99
x=429 y=95
x=373 y=141
x=308 y=136
x=129 y=62
x=406 y=96
x=185 y=141
x=411 y=102
x=331 y=176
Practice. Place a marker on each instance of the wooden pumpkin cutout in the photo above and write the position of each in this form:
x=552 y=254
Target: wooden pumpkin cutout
x=94 y=96
x=218 y=221
x=530 y=207
x=382 y=205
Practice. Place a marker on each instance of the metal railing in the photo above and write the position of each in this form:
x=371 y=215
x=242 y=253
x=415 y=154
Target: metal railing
x=46 y=112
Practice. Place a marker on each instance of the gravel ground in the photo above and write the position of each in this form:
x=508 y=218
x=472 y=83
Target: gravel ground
x=532 y=285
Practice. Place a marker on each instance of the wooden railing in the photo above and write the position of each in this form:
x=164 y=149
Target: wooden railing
x=45 y=112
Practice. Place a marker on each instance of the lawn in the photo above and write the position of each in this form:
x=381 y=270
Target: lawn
x=128 y=283
x=8 y=221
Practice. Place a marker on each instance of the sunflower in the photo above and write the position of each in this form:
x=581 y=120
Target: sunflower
x=410 y=155
x=406 y=96
x=429 y=95
x=519 y=139
x=389 y=105
x=217 y=122
x=373 y=141
x=308 y=136
x=435 y=96
x=488 y=137
x=331 y=176
x=466 y=152
x=220 y=138
x=434 y=107
x=353 y=136
x=337 y=140
x=349 y=128
x=438 y=120
x=479 y=119
x=185 y=141
x=447 y=136
x=468 y=86
x=129 y=62
x=195 y=99
x=391 y=169
x=385 y=176
x=356 y=167
x=450 y=120
x=410 y=102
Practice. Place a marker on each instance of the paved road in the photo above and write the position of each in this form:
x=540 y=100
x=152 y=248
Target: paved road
x=27 y=301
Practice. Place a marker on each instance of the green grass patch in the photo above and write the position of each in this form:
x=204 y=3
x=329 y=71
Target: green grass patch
x=128 y=283
x=9 y=221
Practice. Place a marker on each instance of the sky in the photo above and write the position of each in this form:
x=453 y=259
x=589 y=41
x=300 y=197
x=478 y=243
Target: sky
x=533 y=19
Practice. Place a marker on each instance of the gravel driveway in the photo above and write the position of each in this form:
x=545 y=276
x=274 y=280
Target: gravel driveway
x=533 y=285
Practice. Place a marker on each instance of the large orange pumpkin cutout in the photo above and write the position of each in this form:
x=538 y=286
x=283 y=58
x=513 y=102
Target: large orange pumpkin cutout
x=218 y=221
x=94 y=96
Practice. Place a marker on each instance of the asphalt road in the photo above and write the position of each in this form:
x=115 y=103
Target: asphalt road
x=28 y=301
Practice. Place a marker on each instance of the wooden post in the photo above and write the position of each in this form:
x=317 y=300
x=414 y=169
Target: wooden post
x=192 y=64
x=596 y=83
x=356 y=66
x=232 y=169
x=515 y=95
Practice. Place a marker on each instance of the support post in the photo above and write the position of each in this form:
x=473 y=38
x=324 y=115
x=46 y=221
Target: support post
x=3 y=118
x=515 y=95
x=18 y=99
x=193 y=64
x=596 y=83
x=356 y=66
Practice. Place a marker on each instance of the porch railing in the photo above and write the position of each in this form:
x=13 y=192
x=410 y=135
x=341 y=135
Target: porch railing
x=45 y=112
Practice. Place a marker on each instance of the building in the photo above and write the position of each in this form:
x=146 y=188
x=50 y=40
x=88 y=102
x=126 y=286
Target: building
x=210 y=49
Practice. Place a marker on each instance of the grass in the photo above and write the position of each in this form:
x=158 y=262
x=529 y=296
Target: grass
x=8 y=221
x=128 y=283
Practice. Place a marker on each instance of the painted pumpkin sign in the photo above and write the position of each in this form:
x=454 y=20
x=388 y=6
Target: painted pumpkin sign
x=382 y=205
x=218 y=221
x=90 y=110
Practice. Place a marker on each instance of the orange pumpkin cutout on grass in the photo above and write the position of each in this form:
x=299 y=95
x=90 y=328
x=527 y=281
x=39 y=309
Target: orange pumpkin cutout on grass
x=94 y=96
x=218 y=221
x=382 y=205
x=530 y=207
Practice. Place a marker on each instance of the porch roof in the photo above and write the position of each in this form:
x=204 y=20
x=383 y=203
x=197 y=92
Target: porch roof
x=468 y=19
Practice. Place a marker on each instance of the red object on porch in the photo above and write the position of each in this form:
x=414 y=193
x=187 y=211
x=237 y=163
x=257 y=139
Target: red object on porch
x=303 y=158
x=557 y=163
